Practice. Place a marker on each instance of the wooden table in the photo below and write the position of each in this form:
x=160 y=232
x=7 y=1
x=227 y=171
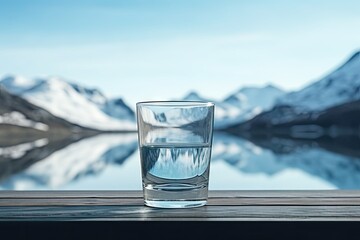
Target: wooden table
x=291 y=214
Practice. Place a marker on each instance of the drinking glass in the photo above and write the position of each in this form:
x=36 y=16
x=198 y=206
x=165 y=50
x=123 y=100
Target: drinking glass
x=175 y=141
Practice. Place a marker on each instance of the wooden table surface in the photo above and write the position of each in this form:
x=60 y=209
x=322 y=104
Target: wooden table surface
x=228 y=215
x=222 y=205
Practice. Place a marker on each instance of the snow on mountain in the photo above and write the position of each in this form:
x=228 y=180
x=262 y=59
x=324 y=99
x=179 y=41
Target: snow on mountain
x=223 y=111
x=69 y=101
x=340 y=86
x=19 y=119
x=255 y=97
x=17 y=84
x=194 y=96
x=18 y=115
x=117 y=108
x=91 y=94
x=241 y=105
x=251 y=101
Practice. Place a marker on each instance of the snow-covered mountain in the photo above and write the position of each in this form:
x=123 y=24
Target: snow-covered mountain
x=329 y=107
x=340 y=86
x=20 y=116
x=253 y=100
x=241 y=105
x=72 y=102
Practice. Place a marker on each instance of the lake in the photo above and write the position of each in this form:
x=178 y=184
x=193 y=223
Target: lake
x=111 y=162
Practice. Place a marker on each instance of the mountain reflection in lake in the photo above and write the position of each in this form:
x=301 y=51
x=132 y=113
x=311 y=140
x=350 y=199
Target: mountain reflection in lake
x=111 y=162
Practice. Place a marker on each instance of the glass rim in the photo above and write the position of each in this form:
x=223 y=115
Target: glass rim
x=180 y=103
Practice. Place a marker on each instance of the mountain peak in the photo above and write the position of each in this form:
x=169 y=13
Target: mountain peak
x=56 y=82
x=352 y=62
x=268 y=86
x=19 y=80
x=17 y=84
x=46 y=84
x=193 y=96
x=354 y=57
x=251 y=97
x=271 y=86
x=92 y=94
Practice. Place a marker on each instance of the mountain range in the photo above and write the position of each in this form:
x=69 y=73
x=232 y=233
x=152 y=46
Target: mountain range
x=90 y=108
x=249 y=108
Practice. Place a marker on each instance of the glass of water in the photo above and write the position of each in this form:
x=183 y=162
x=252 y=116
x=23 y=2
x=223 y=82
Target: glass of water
x=175 y=140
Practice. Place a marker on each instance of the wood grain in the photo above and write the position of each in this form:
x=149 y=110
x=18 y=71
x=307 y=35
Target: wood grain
x=222 y=205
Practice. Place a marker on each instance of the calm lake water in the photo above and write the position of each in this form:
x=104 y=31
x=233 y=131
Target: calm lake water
x=111 y=162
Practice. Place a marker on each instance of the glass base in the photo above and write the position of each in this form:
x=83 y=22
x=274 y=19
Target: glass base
x=175 y=204
x=175 y=195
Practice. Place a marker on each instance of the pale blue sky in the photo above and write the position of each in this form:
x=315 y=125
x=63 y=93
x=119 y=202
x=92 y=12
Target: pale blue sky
x=155 y=50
